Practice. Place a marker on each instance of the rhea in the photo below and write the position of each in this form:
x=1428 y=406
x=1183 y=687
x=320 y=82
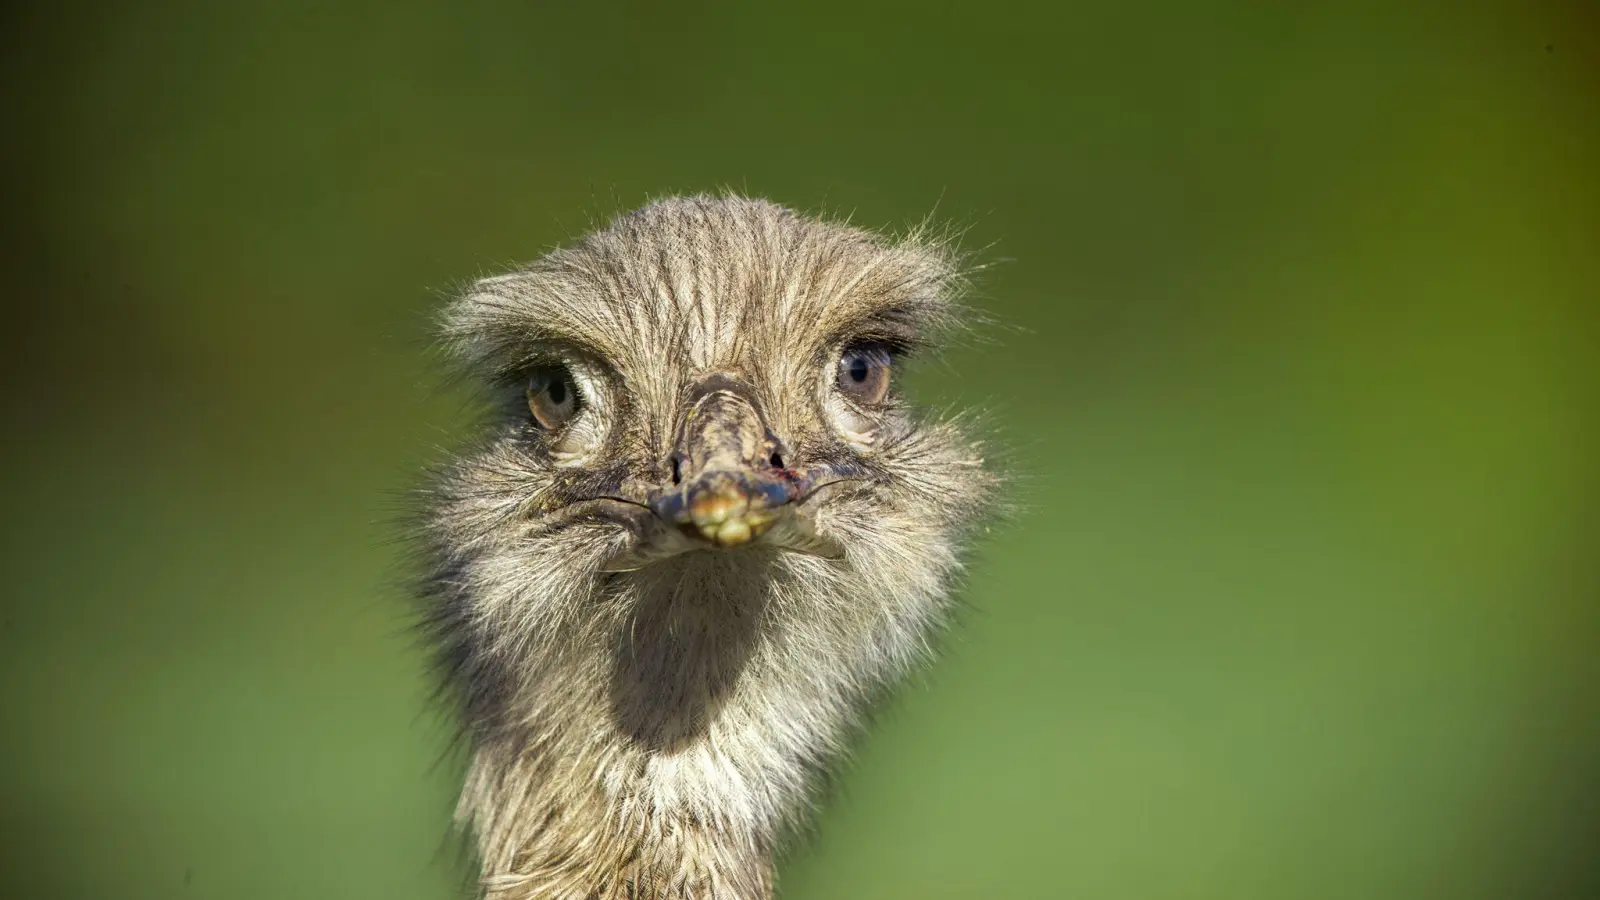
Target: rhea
x=700 y=535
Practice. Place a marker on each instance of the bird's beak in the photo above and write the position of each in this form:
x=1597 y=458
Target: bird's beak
x=730 y=508
x=730 y=484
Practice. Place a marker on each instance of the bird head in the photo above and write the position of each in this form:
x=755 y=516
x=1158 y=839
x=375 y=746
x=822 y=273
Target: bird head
x=698 y=413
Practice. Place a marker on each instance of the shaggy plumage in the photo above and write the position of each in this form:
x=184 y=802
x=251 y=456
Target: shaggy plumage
x=650 y=700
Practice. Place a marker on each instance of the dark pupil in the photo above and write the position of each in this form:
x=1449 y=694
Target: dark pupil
x=859 y=369
x=557 y=391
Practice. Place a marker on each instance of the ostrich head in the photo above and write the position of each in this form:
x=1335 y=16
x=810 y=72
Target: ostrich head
x=701 y=533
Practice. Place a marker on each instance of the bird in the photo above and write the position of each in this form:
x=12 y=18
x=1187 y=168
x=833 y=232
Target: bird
x=698 y=536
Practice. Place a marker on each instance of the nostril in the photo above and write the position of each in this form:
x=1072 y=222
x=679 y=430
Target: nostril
x=776 y=460
x=677 y=469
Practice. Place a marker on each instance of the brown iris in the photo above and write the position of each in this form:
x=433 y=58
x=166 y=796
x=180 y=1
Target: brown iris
x=864 y=372
x=552 y=396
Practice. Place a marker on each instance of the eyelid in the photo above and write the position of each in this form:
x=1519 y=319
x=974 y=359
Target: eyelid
x=891 y=351
x=574 y=357
x=903 y=327
x=882 y=349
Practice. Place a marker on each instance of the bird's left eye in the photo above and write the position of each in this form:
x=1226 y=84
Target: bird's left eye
x=864 y=372
x=552 y=397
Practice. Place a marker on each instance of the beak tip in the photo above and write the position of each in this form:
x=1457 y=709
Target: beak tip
x=731 y=531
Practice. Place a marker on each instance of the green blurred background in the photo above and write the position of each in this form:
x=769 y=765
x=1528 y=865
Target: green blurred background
x=1297 y=359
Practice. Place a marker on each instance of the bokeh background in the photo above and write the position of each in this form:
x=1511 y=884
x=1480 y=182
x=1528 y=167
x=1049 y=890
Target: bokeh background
x=1296 y=356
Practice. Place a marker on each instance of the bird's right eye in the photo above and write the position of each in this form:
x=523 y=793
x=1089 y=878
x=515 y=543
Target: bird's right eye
x=552 y=397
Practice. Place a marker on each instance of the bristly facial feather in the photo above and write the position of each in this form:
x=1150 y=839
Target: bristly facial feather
x=652 y=676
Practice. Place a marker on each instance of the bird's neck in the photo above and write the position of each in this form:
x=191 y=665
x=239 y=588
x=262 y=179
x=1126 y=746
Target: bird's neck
x=662 y=748
x=545 y=837
x=646 y=761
